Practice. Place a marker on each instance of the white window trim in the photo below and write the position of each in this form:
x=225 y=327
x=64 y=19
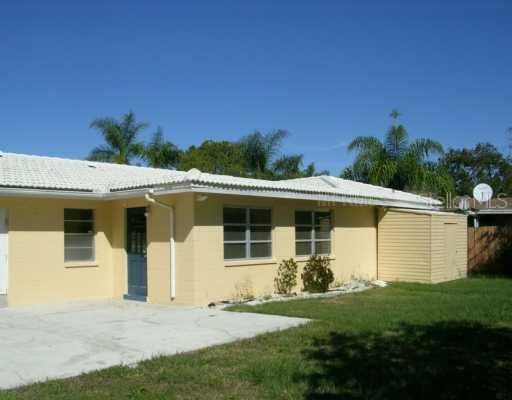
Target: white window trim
x=247 y=242
x=313 y=239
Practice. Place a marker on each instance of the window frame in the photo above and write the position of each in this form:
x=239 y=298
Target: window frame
x=313 y=240
x=92 y=234
x=248 y=241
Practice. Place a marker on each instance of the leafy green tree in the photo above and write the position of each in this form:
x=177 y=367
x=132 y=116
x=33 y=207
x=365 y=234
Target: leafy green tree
x=225 y=158
x=290 y=167
x=160 y=153
x=121 y=144
x=398 y=163
x=255 y=155
x=260 y=150
x=287 y=167
x=260 y=153
x=509 y=133
x=481 y=164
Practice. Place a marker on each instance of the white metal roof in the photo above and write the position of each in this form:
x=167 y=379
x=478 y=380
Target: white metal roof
x=20 y=172
x=51 y=173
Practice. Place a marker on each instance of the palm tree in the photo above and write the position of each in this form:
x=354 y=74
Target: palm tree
x=160 y=153
x=288 y=167
x=259 y=150
x=120 y=137
x=397 y=163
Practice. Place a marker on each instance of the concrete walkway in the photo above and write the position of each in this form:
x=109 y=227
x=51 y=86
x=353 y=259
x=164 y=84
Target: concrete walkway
x=40 y=343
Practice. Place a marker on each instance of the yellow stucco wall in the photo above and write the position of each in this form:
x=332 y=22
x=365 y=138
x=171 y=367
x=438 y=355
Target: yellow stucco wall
x=158 y=251
x=37 y=271
x=354 y=246
x=38 y=274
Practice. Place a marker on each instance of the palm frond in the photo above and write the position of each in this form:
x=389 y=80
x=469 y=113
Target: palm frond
x=136 y=149
x=383 y=171
x=431 y=180
x=396 y=141
x=423 y=148
x=273 y=141
x=366 y=143
x=114 y=137
x=120 y=137
x=397 y=164
x=130 y=127
x=288 y=167
x=261 y=149
x=103 y=124
x=101 y=153
x=159 y=153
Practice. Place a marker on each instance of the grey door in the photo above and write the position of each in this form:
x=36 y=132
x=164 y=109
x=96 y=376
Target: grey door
x=136 y=250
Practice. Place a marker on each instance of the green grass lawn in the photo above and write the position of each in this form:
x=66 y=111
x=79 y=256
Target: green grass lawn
x=448 y=341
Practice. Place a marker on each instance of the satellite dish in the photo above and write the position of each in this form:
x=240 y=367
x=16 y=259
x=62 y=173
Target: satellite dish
x=482 y=192
x=464 y=203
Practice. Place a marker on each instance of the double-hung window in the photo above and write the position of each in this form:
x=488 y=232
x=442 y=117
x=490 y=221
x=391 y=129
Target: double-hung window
x=312 y=233
x=78 y=235
x=247 y=233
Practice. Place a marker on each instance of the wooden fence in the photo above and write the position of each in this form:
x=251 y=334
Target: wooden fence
x=489 y=248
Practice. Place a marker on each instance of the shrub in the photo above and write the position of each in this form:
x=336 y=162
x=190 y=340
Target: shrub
x=286 y=277
x=317 y=275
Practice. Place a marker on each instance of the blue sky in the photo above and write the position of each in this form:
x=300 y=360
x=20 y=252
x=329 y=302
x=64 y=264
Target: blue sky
x=324 y=70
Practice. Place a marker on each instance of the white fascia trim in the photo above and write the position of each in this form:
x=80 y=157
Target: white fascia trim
x=45 y=193
x=426 y=212
x=188 y=188
x=295 y=196
x=497 y=211
x=69 y=194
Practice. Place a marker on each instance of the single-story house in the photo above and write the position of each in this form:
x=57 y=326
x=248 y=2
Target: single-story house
x=80 y=230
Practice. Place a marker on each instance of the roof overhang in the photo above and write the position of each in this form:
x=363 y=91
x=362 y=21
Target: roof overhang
x=212 y=189
x=495 y=211
x=69 y=194
x=427 y=212
x=280 y=194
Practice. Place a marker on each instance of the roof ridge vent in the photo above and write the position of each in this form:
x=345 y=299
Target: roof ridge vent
x=327 y=179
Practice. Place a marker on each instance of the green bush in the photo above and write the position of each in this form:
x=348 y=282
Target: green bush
x=286 y=277
x=317 y=275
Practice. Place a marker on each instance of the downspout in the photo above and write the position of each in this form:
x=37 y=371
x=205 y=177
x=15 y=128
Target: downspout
x=172 y=243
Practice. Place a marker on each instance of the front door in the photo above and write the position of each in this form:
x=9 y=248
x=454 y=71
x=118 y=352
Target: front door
x=3 y=251
x=136 y=251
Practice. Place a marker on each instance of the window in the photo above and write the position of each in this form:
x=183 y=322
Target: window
x=78 y=235
x=247 y=233
x=312 y=233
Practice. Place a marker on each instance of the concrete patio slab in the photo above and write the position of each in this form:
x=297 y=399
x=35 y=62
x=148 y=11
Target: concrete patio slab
x=39 y=343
